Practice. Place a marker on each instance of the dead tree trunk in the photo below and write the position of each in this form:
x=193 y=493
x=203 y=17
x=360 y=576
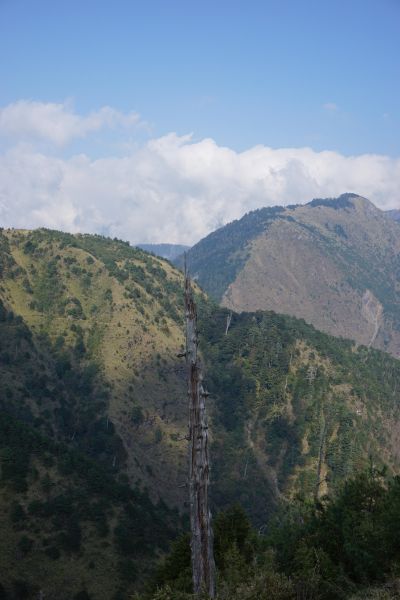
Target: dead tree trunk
x=203 y=566
x=228 y=323
x=321 y=453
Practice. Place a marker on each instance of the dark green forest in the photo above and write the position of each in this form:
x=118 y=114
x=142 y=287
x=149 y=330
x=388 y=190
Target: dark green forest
x=345 y=546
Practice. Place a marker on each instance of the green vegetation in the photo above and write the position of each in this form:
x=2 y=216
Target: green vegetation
x=93 y=405
x=66 y=505
x=294 y=406
x=64 y=487
x=335 y=549
x=56 y=392
x=344 y=201
x=61 y=464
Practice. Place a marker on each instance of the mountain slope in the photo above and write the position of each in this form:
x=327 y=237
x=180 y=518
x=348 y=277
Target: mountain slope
x=333 y=262
x=295 y=410
x=116 y=312
x=90 y=381
x=69 y=522
x=75 y=390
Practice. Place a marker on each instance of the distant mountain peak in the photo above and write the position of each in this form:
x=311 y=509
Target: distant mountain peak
x=168 y=251
x=342 y=201
x=315 y=261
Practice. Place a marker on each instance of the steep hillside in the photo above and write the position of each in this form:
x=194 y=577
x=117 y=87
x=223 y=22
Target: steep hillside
x=295 y=410
x=66 y=511
x=84 y=463
x=68 y=526
x=333 y=262
x=94 y=411
x=114 y=314
x=216 y=260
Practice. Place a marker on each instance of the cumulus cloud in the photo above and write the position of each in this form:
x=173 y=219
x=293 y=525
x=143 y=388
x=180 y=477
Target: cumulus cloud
x=58 y=123
x=175 y=189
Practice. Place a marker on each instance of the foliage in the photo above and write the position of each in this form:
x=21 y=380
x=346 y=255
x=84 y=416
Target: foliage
x=324 y=551
x=279 y=392
x=89 y=497
x=344 y=201
x=346 y=541
x=291 y=383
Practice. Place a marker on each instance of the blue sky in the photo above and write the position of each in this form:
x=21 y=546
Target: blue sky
x=285 y=73
x=159 y=121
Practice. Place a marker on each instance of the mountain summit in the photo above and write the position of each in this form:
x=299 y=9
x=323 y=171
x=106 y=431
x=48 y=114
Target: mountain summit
x=334 y=262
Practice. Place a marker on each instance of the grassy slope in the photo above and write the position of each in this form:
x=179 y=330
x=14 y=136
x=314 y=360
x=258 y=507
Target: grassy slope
x=90 y=363
x=69 y=521
x=71 y=370
x=119 y=310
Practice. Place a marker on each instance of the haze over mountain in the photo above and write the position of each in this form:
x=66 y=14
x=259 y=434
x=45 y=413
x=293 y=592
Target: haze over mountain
x=168 y=251
x=394 y=214
x=94 y=411
x=333 y=262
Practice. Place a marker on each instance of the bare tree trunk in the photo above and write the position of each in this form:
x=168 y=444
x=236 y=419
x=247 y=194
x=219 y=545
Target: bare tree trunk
x=203 y=566
x=321 y=453
x=228 y=323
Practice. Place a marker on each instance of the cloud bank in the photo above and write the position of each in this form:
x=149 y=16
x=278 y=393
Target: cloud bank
x=168 y=189
x=57 y=123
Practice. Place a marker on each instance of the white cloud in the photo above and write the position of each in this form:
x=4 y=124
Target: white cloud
x=57 y=123
x=173 y=189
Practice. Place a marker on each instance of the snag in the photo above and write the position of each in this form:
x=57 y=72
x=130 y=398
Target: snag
x=203 y=566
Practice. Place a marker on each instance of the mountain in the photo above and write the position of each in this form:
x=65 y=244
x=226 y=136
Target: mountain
x=393 y=214
x=86 y=332
x=333 y=262
x=94 y=412
x=112 y=314
x=294 y=409
x=168 y=251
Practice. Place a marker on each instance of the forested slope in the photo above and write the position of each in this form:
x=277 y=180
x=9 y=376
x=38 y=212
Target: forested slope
x=296 y=410
x=69 y=520
x=94 y=412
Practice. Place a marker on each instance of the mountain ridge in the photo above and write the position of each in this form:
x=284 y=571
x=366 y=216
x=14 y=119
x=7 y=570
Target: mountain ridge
x=333 y=262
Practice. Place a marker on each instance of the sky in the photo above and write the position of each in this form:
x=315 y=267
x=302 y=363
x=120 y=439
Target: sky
x=160 y=121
